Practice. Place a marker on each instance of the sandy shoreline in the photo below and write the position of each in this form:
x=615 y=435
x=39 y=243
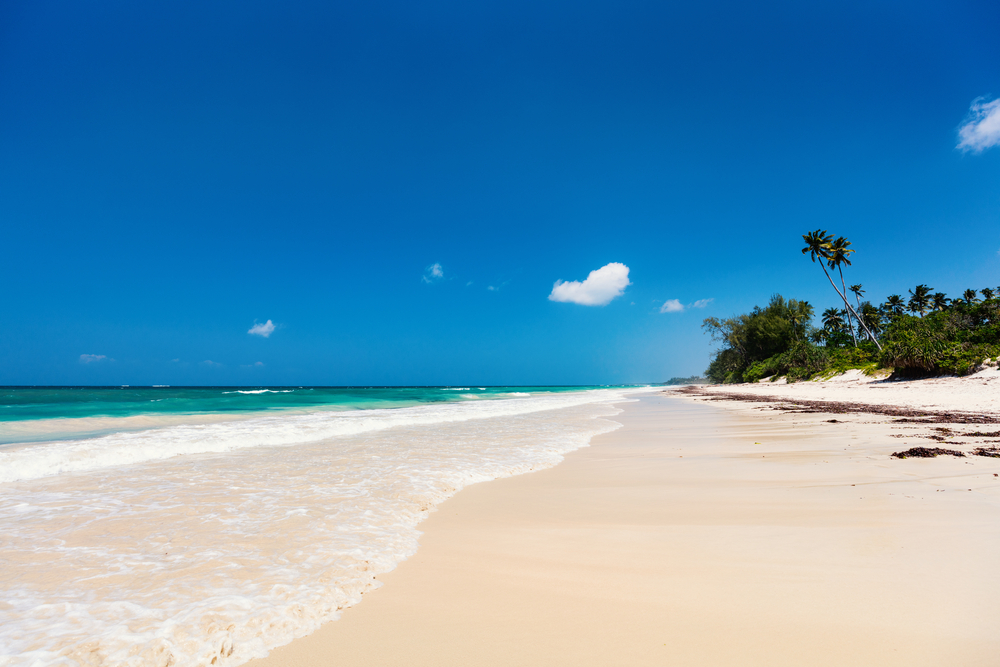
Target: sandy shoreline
x=977 y=392
x=698 y=534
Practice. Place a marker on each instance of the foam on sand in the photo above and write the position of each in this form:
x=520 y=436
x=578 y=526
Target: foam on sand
x=41 y=460
x=250 y=538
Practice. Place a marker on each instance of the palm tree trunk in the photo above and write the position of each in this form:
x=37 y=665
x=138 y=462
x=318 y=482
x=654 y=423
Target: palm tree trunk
x=867 y=330
x=858 y=300
x=847 y=303
x=834 y=285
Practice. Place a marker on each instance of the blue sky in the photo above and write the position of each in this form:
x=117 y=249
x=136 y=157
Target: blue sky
x=172 y=174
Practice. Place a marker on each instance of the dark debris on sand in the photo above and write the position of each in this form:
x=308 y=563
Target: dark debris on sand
x=992 y=452
x=926 y=453
x=906 y=415
x=903 y=416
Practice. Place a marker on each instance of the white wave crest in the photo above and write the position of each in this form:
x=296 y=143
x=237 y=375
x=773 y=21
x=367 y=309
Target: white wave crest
x=47 y=459
x=260 y=391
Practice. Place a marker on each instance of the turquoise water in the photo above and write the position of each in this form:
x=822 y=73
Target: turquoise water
x=30 y=403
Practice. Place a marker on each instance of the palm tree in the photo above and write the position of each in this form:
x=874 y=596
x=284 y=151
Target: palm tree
x=894 y=304
x=857 y=293
x=920 y=299
x=832 y=319
x=987 y=293
x=871 y=316
x=939 y=301
x=838 y=256
x=818 y=245
x=970 y=296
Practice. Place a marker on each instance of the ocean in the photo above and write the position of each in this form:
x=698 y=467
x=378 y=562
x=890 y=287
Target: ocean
x=206 y=525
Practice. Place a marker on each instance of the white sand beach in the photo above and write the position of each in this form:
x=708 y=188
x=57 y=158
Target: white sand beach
x=705 y=533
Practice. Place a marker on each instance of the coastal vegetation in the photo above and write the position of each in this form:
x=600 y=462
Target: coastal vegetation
x=694 y=379
x=926 y=333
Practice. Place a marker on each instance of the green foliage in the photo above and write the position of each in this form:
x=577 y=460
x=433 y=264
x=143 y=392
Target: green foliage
x=767 y=343
x=694 y=379
x=801 y=361
x=954 y=341
x=756 y=336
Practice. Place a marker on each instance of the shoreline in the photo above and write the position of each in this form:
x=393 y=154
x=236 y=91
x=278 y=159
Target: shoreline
x=697 y=534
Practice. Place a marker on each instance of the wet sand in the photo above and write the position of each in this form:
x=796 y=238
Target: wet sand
x=698 y=534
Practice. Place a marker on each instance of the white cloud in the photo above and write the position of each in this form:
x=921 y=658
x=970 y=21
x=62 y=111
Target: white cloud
x=433 y=273
x=981 y=129
x=265 y=329
x=675 y=305
x=256 y=364
x=92 y=358
x=212 y=364
x=601 y=287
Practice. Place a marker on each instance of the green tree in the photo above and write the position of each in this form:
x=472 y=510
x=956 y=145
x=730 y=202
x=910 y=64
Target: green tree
x=755 y=336
x=872 y=318
x=833 y=320
x=920 y=299
x=839 y=254
x=857 y=294
x=894 y=305
x=987 y=293
x=819 y=244
x=939 y=301
x=970 y=296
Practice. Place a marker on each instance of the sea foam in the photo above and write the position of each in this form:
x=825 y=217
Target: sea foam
x=212 y=545
x=45 y=459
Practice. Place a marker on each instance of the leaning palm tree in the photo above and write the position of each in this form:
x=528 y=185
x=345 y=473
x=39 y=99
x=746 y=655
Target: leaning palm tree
x=939 y=301
x=838 y=255
x=920 y=299
x=987 y=293
x=819 y=244
x=970 y=296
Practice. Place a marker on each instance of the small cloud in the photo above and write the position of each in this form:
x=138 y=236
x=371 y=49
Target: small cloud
x=675 y=305
x=92 y=358
x=433 y=273
x=212 y=364
x=601 y=287
x=256 y=364
x=174 y=361
x=981 y=129
x=264 y=330
x=468 y=283
x=493 y=289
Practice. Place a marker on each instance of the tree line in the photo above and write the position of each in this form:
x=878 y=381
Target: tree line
x=926 y=333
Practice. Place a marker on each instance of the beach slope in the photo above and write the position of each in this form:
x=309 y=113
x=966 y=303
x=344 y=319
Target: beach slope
x=698 y=534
